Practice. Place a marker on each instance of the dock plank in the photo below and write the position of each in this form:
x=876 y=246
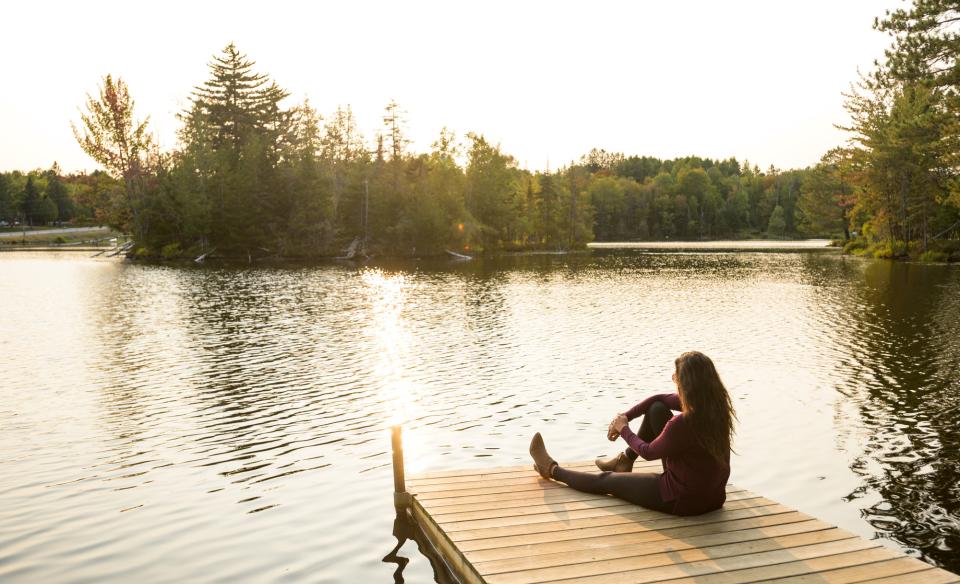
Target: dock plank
x=710 y=546
x=695 y=561
x=927 y=576
x=882 y=569
x=661 y=567
x=652 y=526
x=463 y=512
x=506 y=525
x=633 y=515
x=526 y=546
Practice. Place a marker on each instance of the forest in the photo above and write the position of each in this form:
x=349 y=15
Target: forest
x=253 y=175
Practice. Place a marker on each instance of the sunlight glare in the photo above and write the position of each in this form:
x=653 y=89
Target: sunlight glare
x=387 y=294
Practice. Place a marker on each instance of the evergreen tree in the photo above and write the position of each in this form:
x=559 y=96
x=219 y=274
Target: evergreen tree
x=446 y=185
x=236 y=103
x=57 y=193
x=550 y=216
x=736 y=211
x=926 y=44
x=826 y=195
x=342 y=141
x=902 y=157
x=394 y=198
x=45 y=211
x=342 y=149
x=777 y=226
x=239 y=135
x=608 y=197
x=30 y=205
x=491 y=189
x=7 y=207
x=307 y=202
x=576 y=209
x=394 y=123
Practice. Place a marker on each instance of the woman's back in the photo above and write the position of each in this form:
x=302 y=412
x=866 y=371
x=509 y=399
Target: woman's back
x=692 y=477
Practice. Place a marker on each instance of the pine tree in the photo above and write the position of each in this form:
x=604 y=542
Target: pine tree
x=549 y=206
x=394 y=123
x=57 y=192
x=826 y=195
x=242 y=134
x=902 y=149
x=30 y=205
x=925 y=59
x=342 y=149
x=926 y=44
x=237 y=103
x=7 y=208
x=342 y=140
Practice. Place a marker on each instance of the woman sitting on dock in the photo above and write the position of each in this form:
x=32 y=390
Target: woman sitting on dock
x=694 y=446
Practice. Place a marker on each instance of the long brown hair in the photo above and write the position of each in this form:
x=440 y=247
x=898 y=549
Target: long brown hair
x=706 y=403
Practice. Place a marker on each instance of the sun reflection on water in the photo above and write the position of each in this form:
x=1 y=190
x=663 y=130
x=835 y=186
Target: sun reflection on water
x=388 y=331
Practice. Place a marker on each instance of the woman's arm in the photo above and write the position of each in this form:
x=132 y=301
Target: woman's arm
x=661 y=446
x=671 y=400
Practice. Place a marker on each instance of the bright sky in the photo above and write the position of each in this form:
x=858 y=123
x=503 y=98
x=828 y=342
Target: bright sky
x=547 y=80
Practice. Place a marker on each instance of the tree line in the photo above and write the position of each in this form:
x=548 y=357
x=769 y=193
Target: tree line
x=255 y=175
x=50 y=197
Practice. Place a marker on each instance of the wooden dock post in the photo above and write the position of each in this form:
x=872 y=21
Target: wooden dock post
x=401 y=499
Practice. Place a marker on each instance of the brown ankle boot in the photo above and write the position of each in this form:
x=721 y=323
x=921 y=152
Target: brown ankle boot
x=618 y=463
x=544 y=464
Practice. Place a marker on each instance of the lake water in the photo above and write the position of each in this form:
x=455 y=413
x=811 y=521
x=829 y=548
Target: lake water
x=229 y=423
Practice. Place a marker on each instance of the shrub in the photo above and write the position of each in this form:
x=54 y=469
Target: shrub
x=934 y=256
x=889 y=251
x=855 y=246
x=59 y=240
x=171 y=251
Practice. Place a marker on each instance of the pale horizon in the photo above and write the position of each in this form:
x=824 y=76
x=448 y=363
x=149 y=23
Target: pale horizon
x=548 y=82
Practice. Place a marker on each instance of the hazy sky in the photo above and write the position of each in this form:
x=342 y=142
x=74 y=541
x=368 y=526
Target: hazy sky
x=547 y=80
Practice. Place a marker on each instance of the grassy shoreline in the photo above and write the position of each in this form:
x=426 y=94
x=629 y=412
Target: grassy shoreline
x=938 y=251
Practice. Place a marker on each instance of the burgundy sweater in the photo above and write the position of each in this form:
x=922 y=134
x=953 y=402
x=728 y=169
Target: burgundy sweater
x=693 y=479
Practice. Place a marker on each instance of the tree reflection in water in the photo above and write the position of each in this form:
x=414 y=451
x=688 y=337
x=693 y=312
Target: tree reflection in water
x=903 y=325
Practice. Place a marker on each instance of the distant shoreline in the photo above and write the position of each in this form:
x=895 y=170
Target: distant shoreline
x=16 y=233
x=755 y=245
x=733 y=244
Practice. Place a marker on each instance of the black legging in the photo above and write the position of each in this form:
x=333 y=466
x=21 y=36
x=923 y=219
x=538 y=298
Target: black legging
x=640 y=488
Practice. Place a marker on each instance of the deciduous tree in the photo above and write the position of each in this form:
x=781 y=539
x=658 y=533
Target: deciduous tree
x=110 y=135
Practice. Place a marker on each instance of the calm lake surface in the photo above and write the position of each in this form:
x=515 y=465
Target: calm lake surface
x=230 y=423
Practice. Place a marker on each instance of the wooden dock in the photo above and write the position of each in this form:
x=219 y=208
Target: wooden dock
x=509 y=526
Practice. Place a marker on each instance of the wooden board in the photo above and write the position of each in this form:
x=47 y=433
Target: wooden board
x=508 y=526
